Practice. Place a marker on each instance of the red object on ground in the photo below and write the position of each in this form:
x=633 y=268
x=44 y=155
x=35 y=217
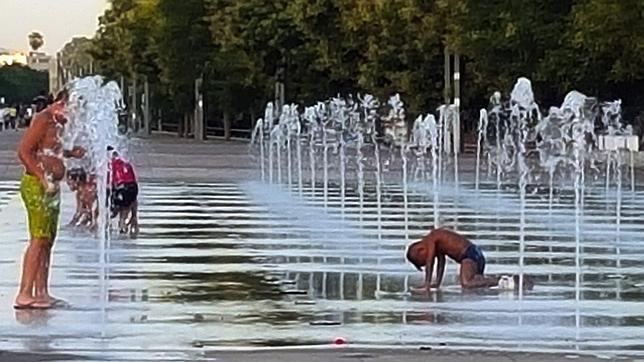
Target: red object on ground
x=340 y=341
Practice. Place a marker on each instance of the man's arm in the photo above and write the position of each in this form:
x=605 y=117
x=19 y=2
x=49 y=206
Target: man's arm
x=29 y=147
x=440 y=270
x=76 y=152
x=429 y=265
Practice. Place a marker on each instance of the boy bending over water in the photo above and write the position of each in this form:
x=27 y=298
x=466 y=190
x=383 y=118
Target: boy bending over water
x=440 y=243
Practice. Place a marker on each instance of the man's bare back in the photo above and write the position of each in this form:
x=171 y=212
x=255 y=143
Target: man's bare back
x=448 y=243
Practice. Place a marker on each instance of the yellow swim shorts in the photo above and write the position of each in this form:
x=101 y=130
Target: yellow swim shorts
x=42 y=209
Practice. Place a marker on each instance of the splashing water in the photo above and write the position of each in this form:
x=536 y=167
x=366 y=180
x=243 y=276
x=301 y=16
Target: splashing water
x=93 y=124
x=369 y=106
x=338 y=114
x=482 y=135
x=432 y=128
x=311 y=122
x=258 y=134
x=523 y=113
x=510 y=132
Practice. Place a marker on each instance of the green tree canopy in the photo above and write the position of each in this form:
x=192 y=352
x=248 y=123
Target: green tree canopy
x=319 y=48
x=20 y=84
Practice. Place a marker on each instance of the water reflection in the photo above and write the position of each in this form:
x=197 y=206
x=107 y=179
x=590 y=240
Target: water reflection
x=216 y=266
x=32 y=317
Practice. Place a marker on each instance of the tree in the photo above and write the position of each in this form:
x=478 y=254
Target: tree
x=36 y=40
x=302 y=44
x=503 y=41
x=319 y=48
x=251 y=40
x=20 y=84
x=403 y=51
x=113 y=40
x=607 y=38
x=332 y=49
x=126 y=40
x=76 y=55
x=262 y=33
x=184 y=47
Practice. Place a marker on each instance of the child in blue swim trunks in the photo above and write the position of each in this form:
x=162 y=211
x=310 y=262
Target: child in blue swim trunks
x=440 y=243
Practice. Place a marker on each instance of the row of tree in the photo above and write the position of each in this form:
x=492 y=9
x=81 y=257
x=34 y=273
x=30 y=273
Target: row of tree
x=320 y=48
x=21 y=84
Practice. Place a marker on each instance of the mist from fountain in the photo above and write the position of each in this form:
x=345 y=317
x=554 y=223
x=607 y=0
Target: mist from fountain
x=524 y=147
x=524 y=114
x=92 y=111
x=481 y=140
x=369 y=106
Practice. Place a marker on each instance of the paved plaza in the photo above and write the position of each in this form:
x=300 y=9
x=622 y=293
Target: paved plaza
x=219 y=273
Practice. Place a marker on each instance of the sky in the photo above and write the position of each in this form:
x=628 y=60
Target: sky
x=57 y=20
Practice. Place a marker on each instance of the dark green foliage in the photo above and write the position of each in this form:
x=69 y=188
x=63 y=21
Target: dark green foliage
x=320 y=48
x=19 y=84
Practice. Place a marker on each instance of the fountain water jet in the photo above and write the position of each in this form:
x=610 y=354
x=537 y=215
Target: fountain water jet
x=482 y=135
x=398 y=135
x=93 y=117
x=517 y=124
x=311 y=119
x=524 y=111
x=369 y=107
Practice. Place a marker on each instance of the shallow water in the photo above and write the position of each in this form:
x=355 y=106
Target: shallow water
x=250 y=264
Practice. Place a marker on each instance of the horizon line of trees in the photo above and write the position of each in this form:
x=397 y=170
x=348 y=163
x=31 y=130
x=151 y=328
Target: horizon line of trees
x=321 y=48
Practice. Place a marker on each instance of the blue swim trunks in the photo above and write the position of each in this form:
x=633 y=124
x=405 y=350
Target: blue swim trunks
x=475 y=254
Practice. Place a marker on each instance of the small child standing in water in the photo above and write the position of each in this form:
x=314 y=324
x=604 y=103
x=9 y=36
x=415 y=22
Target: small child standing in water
x=86 y=198
x=124 y=193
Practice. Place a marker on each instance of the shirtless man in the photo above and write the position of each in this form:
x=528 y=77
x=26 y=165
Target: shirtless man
x=41 y=155
x=441 y=242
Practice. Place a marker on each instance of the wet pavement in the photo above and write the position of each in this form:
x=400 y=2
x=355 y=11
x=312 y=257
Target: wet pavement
x=232 y=263
x=224 y=265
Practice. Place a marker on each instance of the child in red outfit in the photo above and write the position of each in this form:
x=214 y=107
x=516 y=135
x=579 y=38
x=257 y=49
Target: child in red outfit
x=124 y=193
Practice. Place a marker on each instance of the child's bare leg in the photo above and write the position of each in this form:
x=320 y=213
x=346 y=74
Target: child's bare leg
x=479 y=281
x=470 y=279
x=134 y=219
x=122 y=220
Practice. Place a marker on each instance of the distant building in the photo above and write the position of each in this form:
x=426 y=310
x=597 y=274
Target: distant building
x=38 y=61
x=35 y=60
x=54 y=76
x=8 y=57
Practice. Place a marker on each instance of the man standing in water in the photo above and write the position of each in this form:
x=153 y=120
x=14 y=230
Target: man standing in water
x=41 y=155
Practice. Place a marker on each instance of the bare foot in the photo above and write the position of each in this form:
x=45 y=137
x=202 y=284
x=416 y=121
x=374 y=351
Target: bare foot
x=57 y=302
x=24 y=302
x=41 y=304
x=50 y=301
x=419 y=290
